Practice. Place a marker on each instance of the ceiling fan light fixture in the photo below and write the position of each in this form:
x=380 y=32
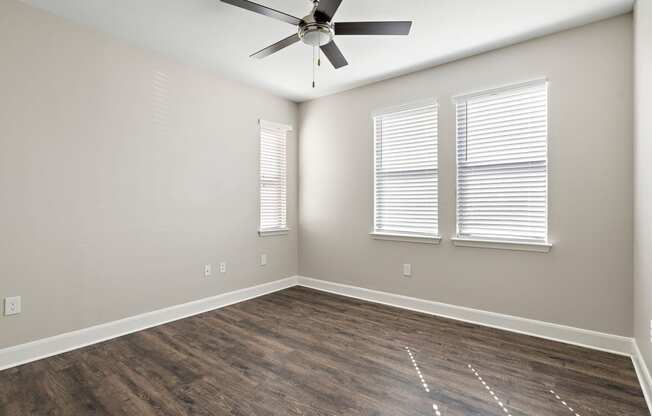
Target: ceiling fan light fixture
x=316 y=34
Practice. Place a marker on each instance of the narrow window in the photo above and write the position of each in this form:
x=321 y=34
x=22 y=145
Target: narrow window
x=502 y=164
x=273 y=178
x=406 y=172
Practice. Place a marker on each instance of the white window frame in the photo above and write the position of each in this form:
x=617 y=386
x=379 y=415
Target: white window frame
x=388 y=236
x=498 y=243
x=283 y=230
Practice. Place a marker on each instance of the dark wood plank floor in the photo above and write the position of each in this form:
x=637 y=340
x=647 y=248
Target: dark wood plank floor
x=304 y=352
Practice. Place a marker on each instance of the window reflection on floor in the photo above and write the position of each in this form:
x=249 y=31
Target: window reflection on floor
x=563 y=402
x=435 y=407
x=487 y=387
x=490 y=390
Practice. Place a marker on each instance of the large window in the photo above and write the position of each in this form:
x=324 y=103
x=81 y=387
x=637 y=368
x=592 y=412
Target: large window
x=502 y=165
x=406 y=173
x=273 y=178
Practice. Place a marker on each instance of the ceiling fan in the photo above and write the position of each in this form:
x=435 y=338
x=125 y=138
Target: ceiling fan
x=318 y=30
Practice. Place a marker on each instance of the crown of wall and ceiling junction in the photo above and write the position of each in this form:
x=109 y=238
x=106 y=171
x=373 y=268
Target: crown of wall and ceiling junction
x=218 y=36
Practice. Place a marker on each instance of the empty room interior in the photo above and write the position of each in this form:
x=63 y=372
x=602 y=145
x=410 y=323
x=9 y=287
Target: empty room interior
x=328 y=207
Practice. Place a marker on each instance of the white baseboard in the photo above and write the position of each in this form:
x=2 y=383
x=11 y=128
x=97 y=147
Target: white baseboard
x=643 y=372
x=46 y=347
x=566 y=334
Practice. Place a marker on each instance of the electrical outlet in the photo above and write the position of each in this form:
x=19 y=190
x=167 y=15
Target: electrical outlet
x=12 y=305
x=407 y=270
x=208 y=270
x=263 y=259
x=223 y=267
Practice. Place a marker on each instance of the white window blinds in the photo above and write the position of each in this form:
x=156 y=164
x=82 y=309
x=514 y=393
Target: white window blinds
x=273 y=177
x=502 y=167
x=406 y=172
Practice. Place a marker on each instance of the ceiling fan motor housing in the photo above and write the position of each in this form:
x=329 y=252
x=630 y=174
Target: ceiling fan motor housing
x=316 y=34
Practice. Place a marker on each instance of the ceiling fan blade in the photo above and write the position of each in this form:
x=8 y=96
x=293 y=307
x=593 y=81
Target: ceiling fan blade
x=290 y=40
x=327 y=9
x=334 y=55
x=373 y=28
x=257 y=8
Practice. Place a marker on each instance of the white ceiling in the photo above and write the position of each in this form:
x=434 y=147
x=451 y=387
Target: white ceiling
x=221 y=37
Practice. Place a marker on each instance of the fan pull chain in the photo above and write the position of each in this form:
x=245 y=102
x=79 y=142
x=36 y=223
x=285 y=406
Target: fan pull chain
x=313 y=67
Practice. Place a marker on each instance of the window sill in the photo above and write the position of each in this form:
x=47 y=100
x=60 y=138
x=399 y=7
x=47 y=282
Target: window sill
x=273 y=233
x=502 y=245
x=406 y=238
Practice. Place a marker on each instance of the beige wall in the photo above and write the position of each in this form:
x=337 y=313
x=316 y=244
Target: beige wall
x=122 y=174
x=585 y=281
x=643 y=179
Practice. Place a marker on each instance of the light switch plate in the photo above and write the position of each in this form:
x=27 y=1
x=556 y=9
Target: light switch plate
x=12 y=305
x=208 y=270
x=263 y=259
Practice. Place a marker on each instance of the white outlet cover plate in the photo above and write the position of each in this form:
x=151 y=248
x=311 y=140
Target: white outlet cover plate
x=407 y=270
x=12 y=305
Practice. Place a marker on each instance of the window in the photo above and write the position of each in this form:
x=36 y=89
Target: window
x=406 y=173
x=273 y=178
x=502 y=165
